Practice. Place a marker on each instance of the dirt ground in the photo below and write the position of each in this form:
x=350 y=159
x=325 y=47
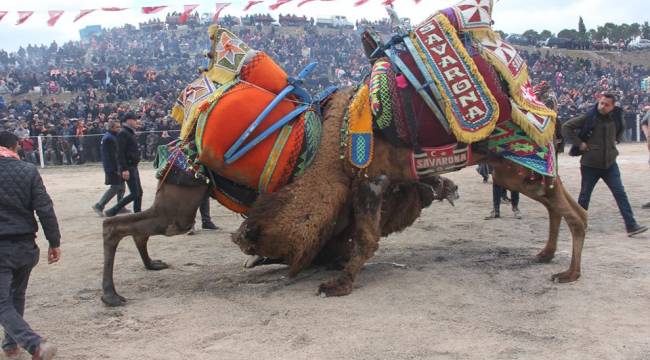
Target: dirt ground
x=453 y=286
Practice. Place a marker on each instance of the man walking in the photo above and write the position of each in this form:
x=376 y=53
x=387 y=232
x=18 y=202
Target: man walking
x=112 y=175
x=21 y=193
x=128 y=159
x=594 y=136
x=206 y=219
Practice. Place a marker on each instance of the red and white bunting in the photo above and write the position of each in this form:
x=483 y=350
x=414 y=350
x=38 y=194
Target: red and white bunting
x=187 y=9
x=83 y=13
x=303 y=2
x=278 y=4
x=3 y=13
x=54 y=17
x=152 y=9
x=252 y=3
x=360 y=2
x=220 y=6
x=113 y=9
x=23 y=16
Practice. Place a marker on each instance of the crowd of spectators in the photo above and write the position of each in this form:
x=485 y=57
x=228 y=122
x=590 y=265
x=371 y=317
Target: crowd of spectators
x=143 y=70
x=577 y=81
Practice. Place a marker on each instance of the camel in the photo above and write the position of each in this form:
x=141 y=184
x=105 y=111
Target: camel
x=179 y=196
x=296 y=222
x=448 y=80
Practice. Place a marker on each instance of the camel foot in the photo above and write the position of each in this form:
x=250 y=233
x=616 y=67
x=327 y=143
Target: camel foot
x=156 y=265
x=544 y=257
x=113 y=300
x=566 y=276
x=335 y=287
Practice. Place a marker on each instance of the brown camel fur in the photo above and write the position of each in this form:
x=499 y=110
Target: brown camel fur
x=296 y=222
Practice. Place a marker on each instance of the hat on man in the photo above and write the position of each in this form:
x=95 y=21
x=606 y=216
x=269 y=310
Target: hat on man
x=130 y=115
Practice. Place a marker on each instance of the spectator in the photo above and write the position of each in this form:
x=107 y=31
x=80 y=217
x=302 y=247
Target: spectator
x=22 y=192
x=595 y=135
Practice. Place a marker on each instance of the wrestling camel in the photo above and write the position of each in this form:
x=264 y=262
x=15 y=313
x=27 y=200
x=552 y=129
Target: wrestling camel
x=179 y=196
x=295 y=223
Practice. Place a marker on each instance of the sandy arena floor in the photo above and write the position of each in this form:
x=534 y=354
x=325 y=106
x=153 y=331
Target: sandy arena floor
x=453 y=286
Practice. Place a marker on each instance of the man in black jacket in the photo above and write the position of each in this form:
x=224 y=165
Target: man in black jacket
x=110 y=162
x=128 y=155
x=21 y=193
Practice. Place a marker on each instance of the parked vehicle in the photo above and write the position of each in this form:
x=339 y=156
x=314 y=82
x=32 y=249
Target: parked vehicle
x=336 y=21
x=639 y=44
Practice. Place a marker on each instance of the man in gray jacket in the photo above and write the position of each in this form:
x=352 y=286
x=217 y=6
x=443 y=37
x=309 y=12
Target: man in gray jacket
x=21 y=193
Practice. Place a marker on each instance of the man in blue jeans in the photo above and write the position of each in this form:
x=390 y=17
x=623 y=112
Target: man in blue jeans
x=128 y=157
x=594 y=136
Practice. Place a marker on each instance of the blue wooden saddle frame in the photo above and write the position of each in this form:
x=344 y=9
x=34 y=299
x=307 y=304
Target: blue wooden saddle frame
x=236 y=151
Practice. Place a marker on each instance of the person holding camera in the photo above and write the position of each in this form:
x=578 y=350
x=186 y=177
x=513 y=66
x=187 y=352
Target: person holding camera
x=594 y=136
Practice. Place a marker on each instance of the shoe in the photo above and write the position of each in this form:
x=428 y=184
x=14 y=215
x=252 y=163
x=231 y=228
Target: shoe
x=98 y=210
x=493 y=215
x=45 y=351
x=638 y=229
x=646 y=206
x=109 y=213
x=209 y=226
x=11 y=353
x=516 y=213
x=124 y=211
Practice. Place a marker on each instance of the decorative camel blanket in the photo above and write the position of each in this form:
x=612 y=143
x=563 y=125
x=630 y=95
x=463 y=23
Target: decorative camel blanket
x=453 y=80
x=216 y=112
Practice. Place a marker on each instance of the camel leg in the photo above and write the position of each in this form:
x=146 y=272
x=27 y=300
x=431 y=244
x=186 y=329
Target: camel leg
x=365 y=240
x=575 y=217
x=140 y=226
x=141 y=244
x=547 y=254
x=559 y=205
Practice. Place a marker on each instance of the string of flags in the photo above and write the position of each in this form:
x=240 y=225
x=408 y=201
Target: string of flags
x=55 y=15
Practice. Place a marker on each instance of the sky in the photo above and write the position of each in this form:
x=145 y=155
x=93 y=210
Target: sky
x=510 y=16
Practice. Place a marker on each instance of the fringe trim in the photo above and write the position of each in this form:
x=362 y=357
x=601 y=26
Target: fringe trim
x=461 y=134
x=196 y=109
x=542 y=138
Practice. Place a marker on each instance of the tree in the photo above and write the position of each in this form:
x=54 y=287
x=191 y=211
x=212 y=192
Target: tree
x=531 y=35
x=545 y=35
x=582 y=30
x=502 y=34
x=582 y=34
x=570 y=34
x=645 y=30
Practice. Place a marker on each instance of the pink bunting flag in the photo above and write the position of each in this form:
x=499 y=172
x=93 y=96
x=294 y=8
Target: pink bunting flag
x=278 y=4
x=252 y=3
x=83 y=13
x=187 y=9
x=360 y=2
x=113 y=9
x=54 y=16
x=23 y=16
x=303 y=2
x=3 y=13
x=388 y=2
x=220 y=6
x=152 y=9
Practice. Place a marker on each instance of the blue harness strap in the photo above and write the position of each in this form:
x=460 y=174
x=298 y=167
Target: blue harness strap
x=421 y=89
x=293 y=87
x=430 y=83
